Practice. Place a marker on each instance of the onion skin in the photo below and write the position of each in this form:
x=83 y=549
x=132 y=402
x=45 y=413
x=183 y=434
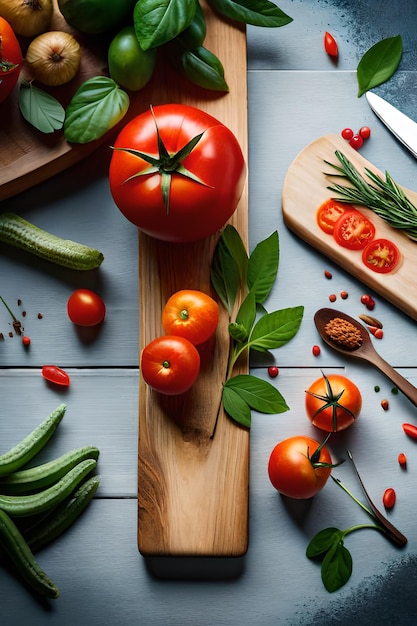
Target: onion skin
x=54 y=58
x=28 y=18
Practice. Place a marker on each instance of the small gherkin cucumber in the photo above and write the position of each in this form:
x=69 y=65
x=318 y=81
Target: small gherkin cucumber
x=26 y=449
x=18 y=232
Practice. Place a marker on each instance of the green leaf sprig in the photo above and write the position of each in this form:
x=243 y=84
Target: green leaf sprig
x=328 y=544
x=249 y=279
x=379 y=63
x=40 y=109
x=384 y=197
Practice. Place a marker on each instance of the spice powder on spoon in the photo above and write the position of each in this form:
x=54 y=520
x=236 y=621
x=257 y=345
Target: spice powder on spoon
x=344 y=333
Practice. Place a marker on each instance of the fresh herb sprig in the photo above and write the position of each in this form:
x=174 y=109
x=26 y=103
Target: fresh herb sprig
x=384 y=197
x=248 y=280
x=328 y=544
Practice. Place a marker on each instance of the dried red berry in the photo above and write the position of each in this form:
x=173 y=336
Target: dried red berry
x=273 y=371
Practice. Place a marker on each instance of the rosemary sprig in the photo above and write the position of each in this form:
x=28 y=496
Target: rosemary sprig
x=384 y=197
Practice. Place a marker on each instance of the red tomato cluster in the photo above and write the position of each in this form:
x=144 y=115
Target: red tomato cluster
x=356 y=139
x=10 y=59
x=170 y=364
x=353 y=230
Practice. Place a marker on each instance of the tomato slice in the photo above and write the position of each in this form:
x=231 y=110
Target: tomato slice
x=381 y=255
x=353 y=230
x=328 y=213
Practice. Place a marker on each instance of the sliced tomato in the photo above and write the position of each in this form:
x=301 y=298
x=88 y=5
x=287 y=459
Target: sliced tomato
x=353 y=230
x=329 y=212
x=381 y=255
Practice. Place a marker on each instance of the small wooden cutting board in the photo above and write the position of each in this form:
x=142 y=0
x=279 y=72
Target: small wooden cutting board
x=193 y=469
x=305 y=189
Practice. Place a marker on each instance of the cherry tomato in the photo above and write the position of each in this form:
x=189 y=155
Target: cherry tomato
x=365 y=132
x=191 y=314
x=333 y=402
x=347 y=133
x=56 y=375
x=170 y=364
x=10 y=59
x=353 y=230
x=381 y=255
x=185 y=201
x=329 y=212
x=389 y=498
x=330 y=45
x=273 y=371
x=293 y=467
x=356 y=142
x=86 y=308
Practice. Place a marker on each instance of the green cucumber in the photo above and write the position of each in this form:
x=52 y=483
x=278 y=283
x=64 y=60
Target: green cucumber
x=16 y=547
x=34 y=479
x=17 y=232
x=32 y=504
x=24 y=451
x=63 y=516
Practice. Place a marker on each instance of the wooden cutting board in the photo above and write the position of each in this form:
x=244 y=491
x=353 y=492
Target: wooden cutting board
x=305 y=188
x=193 y=469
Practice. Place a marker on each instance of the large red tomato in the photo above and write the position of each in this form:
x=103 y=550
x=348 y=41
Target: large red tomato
x=170 y=364
x=10 y=59
x=333 y=402
x=169 y=191
x=299 y=467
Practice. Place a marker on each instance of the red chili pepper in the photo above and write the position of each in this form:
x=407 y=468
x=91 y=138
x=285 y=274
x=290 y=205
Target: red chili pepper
x=389 y=498
x=410 y=430
x=55 y=375
x=402 y=459
x=330 y=45
x=273 y=371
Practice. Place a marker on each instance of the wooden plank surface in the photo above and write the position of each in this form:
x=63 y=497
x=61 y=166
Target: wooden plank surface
x=304 y=190
x=193 y=460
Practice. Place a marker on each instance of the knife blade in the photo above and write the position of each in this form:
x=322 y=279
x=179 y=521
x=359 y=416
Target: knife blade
x=401 y=126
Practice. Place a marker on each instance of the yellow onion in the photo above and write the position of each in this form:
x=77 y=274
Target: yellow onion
x=27 y=17
x=54 y=58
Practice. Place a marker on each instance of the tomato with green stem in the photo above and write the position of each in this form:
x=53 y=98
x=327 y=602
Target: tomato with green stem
x=177 y=173
x=10 y=59
x=86 y=308
x=191 y=314
x=170 y=364
x=299 y=466
x=333 y=402
x=353 y=230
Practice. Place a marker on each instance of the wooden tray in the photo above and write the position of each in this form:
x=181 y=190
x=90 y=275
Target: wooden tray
x=193 y=470
x=305 y=188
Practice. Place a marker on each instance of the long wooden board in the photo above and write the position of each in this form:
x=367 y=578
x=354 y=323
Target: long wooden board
x=193 y=469
x=305 y=188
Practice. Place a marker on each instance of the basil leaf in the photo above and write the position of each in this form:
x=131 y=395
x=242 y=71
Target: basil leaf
x=224 y=274
x=263 y=267
x=236 y=407
x=40 y=109
x=257 y=393
x=201 y=67
x=236 y=247
x=247 y=313
x=158 y=21
x=379 y=63
x=323 y=541
x=97 y=106
x=195 y=34
x=336 y=568
x=274 y=330
x=255 y=12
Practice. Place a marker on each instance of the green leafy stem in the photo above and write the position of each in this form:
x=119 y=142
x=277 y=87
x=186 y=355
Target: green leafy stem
x=243 y=282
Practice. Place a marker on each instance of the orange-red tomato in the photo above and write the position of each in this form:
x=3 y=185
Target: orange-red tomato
x=191 y=314
x=10 y=59
x=329 y=212
x=342 y=397
x=292 y=470
x=170 y=364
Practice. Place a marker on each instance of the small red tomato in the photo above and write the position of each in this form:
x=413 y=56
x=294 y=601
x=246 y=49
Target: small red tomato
x=86 y=308
x=356 y=142
x=389 y=498
x=170 y=364
x=365 y=132
x=330 y=45
x=26 y=340
x=316 y=350
x=273 y=371
x=55 y=375
x=347 y=133
x=190 y=314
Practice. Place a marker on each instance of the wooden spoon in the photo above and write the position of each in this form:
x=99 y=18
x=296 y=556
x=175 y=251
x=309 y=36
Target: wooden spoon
x=365 y=351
